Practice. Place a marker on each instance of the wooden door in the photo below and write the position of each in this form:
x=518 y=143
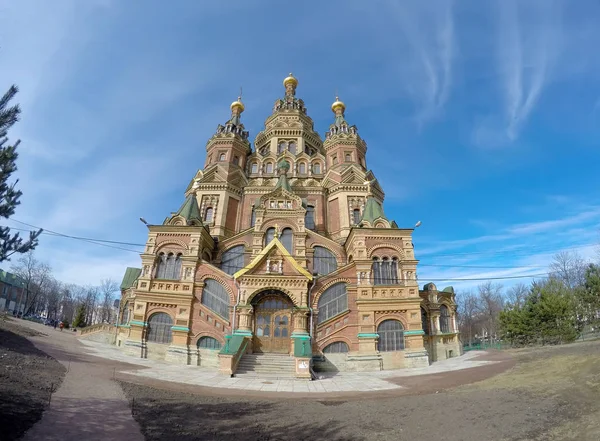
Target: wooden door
x=272 y=325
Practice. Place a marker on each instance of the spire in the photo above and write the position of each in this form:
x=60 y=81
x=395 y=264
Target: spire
x=340 y=125
x=282 y=168
x=373 y=211
x=234 y=124
x=189 y=211
x=289 y=101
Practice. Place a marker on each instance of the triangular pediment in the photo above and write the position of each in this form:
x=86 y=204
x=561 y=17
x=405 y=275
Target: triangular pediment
x=332 y=179
x=273 y=260
x=353 y=175
x=215 y=174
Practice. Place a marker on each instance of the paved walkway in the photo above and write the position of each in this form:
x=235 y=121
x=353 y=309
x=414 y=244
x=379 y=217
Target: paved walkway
x=339 y=382
x=89 y=405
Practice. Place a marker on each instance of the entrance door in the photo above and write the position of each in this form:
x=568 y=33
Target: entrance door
x=272 y=324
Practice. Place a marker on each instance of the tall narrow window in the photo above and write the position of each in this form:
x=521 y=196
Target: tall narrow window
x=444 y=319
x=161 y=266
x=287 y=237
x=253 y=217
x=208 y=214
x=356 y=216
x=334 y=159
x=394 y=271
x=324 y=261
x=316 y=168
x=254 y=168
x=269 y=235
x=292 y=148
x=376 y=270
x=236 y=160
x=232 y=259
x=222 y=157
x=280 y=147
x=176 y=274
x=424 y=321
x=348 y=157
x=309 y=217
x=302 y=168
x=269 y=168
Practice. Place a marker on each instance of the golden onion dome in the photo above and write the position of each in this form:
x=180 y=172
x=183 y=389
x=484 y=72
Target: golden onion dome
x=290 y=79
x=338 y=104
x=238 y=104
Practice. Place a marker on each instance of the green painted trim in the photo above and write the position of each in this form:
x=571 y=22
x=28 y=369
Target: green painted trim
x=233 y=344
x=300 y=335
x=367 y=335
x=420 y=332
x=138 y=323
x=244 y=333
x=302 y=348
x=124 y=326
x=180 y=328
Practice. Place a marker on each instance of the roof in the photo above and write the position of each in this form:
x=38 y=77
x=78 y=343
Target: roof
x=131 y=275
x=189 y=210
x=373 y=211
x=283 y=181
x=11 y=279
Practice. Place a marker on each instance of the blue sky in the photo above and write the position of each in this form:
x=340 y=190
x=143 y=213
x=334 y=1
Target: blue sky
x=482 y=119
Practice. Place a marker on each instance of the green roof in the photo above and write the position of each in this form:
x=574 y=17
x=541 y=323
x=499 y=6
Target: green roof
x=131 y=275
x=373 y=211
x=11 y=279
x=189 y=210
x=283 y=181
x=449 y=289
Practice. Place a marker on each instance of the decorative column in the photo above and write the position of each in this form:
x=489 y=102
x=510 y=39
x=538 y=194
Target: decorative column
x=244 y=321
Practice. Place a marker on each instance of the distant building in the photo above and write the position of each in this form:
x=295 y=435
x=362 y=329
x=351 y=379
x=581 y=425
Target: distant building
x=12 y=289
x=286 y=244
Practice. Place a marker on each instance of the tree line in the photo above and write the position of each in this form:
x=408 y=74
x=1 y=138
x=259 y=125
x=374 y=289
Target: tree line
x=557 y=309
x=72 y=304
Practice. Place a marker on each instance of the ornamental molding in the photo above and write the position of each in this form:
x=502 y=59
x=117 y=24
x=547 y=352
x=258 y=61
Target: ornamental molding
x=221 y=281
x=398 y=249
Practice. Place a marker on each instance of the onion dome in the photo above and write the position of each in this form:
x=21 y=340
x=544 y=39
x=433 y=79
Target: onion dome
x=238 y=105
x=290 y=79
x=338 y=105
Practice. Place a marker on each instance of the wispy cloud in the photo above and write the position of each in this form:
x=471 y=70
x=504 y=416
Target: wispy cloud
x=528 y=42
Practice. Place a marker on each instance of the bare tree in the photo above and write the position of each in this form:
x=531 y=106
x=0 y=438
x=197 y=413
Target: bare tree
x=569 y=267
x=35 y=275
x=517 y=294
x=468 y=316
x=490 y=303
x=108 y=289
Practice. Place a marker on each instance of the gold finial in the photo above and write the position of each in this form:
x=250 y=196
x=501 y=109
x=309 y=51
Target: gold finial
x=290 y=79
x=276 y=231
x=338 y=105
x=238 y=104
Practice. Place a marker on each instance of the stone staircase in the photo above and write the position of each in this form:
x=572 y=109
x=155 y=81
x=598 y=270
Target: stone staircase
x=266 y=366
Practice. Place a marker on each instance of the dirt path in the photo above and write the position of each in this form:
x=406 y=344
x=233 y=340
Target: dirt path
x=89 y=405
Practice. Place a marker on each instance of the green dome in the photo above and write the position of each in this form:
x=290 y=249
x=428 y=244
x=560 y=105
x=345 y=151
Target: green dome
x=283 y=164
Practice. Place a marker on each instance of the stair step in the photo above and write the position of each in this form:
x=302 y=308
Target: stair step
x=271 y=366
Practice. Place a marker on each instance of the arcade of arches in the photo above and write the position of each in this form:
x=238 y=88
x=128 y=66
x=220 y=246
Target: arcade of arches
x=282 y=243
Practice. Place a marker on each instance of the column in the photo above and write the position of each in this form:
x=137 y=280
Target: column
x=244 y=321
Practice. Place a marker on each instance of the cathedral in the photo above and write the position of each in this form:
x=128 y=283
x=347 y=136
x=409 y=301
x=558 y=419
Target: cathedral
x=281 y=249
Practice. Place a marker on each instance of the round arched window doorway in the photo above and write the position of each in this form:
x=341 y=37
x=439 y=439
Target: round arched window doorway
x=272 y=322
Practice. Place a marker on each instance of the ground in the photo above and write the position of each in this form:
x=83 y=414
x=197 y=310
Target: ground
x=27 y=375
x=548 y=394
x=533 y=394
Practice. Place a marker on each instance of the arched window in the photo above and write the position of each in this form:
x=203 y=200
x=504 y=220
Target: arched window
x=337 y=347
x=324 y=261
x=302 y=168
x=444 y=319
x=332 y=302
x=309 y=217
x=385 y=271
x=287 y=237
x=280 y=147
x=269 y=167
x=159 y=328
x=125 y=314
x=292 y=148
x=161 y=266
x=252 y=217
x=391 y=336
x=356 y=216
x=348 y=157
x=316 y=168
x=215 y=298
x=208 y=343
x=269 y=235
x=424 y=321
x=232 y=259
x=222 y=157
x=254 y=168
x=334 y=159
x=236 y=160
x=208 y=214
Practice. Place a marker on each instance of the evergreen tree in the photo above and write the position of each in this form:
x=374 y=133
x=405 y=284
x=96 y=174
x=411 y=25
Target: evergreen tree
x=9 y=195
x=79 y=320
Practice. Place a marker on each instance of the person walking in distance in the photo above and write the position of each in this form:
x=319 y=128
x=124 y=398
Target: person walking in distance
x=61 y=326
